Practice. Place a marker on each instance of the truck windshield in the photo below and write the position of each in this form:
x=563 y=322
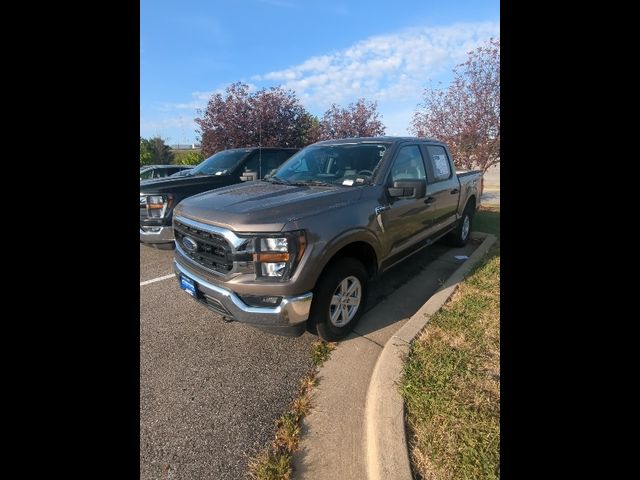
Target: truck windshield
x=146 y=174
x=220 y=163
x=345 y=164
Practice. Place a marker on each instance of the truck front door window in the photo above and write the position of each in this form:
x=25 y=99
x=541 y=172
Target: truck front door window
x=408 y=165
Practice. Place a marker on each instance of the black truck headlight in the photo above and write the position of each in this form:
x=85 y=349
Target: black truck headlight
x=157 y=205
x=277 y=257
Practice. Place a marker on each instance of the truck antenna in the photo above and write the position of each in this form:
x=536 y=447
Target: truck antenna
x=260 y=150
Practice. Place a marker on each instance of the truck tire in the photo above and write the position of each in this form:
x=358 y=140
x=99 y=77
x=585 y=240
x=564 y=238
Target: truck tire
x=339 y=299
x=459 y=237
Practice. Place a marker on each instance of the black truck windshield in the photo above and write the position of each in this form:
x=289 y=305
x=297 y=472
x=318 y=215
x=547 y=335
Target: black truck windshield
x=219 y=163
x=344 y=164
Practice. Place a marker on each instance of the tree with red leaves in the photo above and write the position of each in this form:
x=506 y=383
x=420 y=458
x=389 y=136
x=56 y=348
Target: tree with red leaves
x=357 y=120
x=466 y=115
x=269 y=117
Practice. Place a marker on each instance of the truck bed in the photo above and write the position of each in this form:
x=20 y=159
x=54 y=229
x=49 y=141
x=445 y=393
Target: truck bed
x=464 y=173
x=471 y=182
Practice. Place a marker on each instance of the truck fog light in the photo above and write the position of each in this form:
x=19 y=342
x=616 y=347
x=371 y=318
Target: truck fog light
x=261 y=301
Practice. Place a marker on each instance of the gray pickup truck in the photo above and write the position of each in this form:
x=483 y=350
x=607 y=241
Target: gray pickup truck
x=297 y=250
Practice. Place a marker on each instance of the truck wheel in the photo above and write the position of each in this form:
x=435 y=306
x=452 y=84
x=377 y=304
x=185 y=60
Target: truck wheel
x=460 y=236
x=339 y=299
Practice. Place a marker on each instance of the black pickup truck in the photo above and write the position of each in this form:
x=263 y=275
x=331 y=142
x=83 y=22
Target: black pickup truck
x=297 y=249
x=158 y=197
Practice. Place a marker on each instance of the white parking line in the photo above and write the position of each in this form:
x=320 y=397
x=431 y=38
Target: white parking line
x=153 y=280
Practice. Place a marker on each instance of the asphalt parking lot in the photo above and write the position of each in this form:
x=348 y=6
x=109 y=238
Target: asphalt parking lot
x=210 y=391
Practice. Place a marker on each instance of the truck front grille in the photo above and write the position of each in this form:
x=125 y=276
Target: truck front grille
x=212 y=251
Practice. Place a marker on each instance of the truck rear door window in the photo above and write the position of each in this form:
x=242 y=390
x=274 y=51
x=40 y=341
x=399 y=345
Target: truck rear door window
x=439 y=162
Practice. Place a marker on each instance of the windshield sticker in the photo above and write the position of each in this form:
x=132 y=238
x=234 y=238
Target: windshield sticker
x=359 y=180
x=348 y=182
x=441 y=165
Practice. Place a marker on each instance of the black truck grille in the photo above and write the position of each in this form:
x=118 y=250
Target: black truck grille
x=212 y=252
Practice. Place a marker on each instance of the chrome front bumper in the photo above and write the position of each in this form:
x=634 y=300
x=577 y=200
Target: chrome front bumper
x=156 y=234
x=291 y=313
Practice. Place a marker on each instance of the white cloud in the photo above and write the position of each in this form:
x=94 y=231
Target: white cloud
x=392 y=69
x=198 y=100
x=386 y=67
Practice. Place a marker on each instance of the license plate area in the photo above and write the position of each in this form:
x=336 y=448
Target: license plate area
x=189 y=286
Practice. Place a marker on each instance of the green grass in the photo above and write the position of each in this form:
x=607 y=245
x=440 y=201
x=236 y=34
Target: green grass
x=320 y=352
x=274 y=462
x=451 y=379
x=487 y=220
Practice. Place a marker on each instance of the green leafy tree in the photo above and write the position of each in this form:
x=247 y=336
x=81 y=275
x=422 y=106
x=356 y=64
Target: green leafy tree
x=161 y=153
x=190 y=157
x=313 y=133
x=145 y=152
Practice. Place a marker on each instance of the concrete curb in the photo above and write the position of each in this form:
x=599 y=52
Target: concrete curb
x=387 y=448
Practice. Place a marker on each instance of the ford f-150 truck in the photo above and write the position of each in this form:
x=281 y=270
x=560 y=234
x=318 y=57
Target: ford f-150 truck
x=298 y=249
x=158 y=197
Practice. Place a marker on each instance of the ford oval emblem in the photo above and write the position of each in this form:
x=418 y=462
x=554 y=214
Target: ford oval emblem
x=190 y=244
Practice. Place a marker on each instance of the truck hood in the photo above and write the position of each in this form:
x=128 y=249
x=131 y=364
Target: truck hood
x=263 y=206
x=171 y=184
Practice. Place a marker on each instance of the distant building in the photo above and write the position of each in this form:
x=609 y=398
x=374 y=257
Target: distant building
x=193 y=146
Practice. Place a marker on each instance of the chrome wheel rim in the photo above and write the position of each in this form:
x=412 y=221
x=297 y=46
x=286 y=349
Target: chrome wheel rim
x=345 y=301
x=466 y=224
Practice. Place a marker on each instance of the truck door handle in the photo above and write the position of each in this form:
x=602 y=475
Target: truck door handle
x=454 y=191
x=429 y=200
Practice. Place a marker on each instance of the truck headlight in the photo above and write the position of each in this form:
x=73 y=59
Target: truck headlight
x=278 y=257
x=157 y=205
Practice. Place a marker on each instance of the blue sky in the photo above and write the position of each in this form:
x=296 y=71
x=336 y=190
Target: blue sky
x=326 y=51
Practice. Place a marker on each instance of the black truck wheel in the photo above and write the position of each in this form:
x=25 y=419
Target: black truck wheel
x=459 y=237
x=339 y=299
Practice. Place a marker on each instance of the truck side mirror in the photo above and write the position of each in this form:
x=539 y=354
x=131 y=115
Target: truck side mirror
x=249 y=176
x=408 y=188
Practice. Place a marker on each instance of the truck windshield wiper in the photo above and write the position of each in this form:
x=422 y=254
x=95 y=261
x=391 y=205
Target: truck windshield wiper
x=313 y=182
x=274 y=179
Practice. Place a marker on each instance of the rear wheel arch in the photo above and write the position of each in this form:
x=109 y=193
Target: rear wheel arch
x=471 y=203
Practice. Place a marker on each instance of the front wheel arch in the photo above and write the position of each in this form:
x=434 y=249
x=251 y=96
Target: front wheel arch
x=333 y=275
